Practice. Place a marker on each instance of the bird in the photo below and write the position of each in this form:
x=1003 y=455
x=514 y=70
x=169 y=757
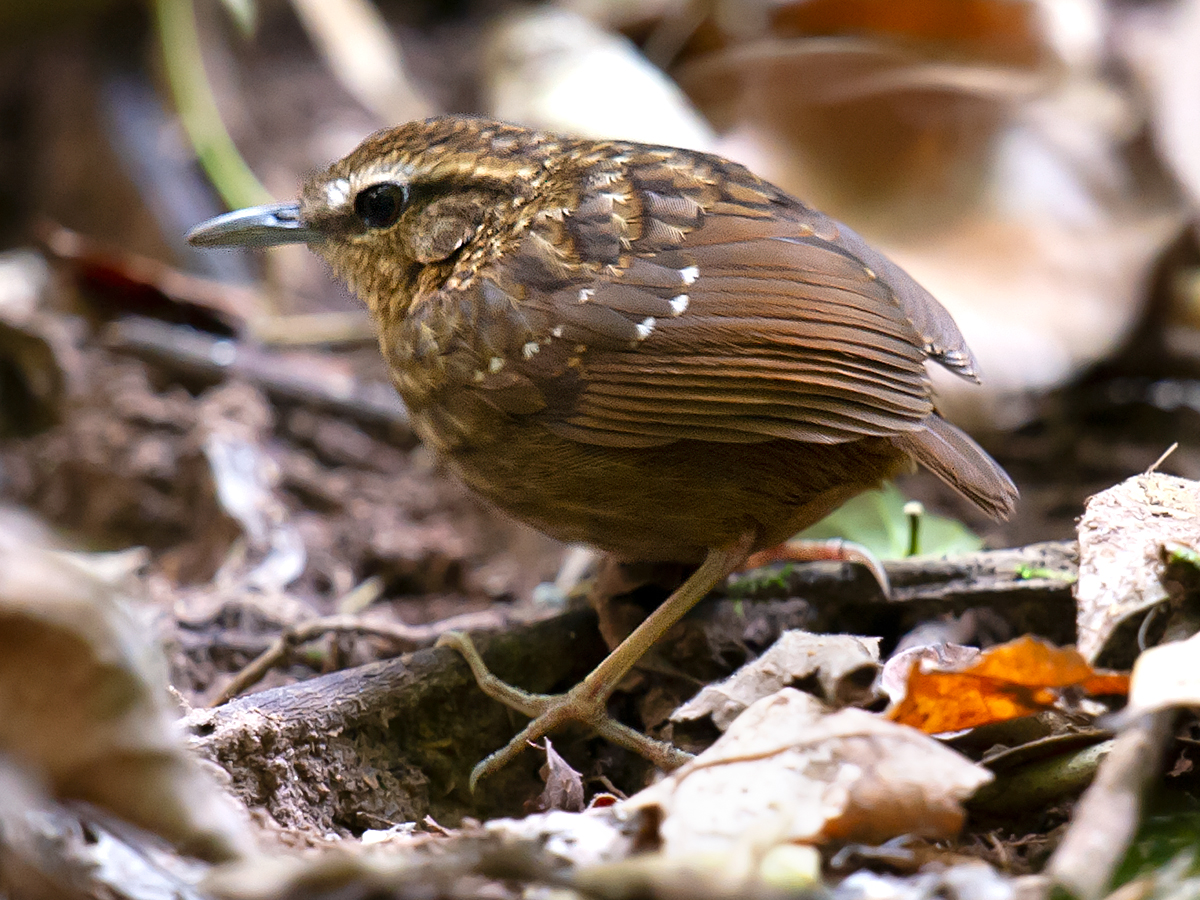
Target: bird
x=646 y=349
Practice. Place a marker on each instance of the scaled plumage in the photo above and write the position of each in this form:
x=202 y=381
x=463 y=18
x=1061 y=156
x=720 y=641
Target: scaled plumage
x=612 y=312
x=646 y=349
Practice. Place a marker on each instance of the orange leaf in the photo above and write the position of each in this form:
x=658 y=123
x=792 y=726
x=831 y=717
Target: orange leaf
x=1008 y=681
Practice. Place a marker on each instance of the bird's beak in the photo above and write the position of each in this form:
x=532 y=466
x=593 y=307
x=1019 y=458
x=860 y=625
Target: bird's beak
x=258 y=226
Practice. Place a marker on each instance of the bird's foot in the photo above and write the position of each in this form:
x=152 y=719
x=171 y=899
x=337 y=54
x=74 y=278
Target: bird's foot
x=835 y=550
x=587 y=702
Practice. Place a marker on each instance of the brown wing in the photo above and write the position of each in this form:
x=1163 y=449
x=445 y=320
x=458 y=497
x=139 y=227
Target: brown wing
x=773 y=339
x=715 y=308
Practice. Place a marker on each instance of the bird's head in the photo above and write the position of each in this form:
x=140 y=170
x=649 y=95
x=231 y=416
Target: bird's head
x=408 y=208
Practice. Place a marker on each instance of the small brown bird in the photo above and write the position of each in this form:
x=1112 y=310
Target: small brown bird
x=644 y=349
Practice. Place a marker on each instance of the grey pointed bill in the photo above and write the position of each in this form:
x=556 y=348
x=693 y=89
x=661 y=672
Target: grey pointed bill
x=257 y=226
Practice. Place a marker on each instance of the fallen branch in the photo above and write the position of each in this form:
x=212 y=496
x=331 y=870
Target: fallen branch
x=394 y=741
x=361 y=748
x=1028 y=587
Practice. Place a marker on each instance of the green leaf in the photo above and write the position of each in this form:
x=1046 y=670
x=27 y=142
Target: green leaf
x=878 y=521
x=1167 y=834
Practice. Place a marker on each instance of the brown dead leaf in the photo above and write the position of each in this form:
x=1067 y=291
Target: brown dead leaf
x=1158 y=42
x=1008 y=681
x=589 y=838
x=37 y=348
x=116 y=282
x=788 y=771
x=981 y=146
x=564 y=786
x=1000 y=30
x=84 y=705
x=839 y=663
x=235 y=421
x=360 y=50
x=1120 y=566
x=893 y=681
x=1165 y=676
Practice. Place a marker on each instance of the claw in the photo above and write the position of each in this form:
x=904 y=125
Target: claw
x=835 y=550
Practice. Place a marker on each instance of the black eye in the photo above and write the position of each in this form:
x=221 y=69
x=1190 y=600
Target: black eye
x=380 y=205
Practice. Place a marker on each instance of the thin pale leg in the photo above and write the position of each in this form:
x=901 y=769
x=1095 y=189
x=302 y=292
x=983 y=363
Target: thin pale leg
x=834 y=550
x=588 y=701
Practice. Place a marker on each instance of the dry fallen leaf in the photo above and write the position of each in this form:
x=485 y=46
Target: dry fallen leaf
x=360 y=50
x=1158 y=43
x=587 y=838
x=1120 y=569
x=1008 y=681
x=1165 y=676
x=788 y=771
x=874 y=108
x=843 y=666
x=564 y=786
x=114 y=282
x=235 y=426
x=893 y=681
x=84 y=705
x=38 y=348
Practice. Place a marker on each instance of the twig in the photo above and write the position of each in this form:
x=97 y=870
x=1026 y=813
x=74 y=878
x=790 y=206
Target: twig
x=409 y=637
x=308 y=329
x=1107 y=815
x=1162 y=459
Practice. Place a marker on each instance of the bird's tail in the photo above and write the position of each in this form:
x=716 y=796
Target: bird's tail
x=956 y=459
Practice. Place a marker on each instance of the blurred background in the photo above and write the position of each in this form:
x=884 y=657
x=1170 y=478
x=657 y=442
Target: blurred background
x=1034 y=163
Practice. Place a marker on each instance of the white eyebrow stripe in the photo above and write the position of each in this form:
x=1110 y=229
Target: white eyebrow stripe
x=337 y=192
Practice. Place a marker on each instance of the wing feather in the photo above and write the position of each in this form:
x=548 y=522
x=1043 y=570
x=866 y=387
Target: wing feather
x=727 y=328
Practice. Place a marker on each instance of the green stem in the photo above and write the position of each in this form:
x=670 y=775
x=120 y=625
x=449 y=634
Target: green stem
x=197 y=107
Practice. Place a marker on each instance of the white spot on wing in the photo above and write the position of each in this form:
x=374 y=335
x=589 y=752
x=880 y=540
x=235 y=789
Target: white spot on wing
x=585 y=294
x=690 y=274
x=495 y=364
x=530 y=348
x=645 y=327
x=556 y=331
x=679 y=304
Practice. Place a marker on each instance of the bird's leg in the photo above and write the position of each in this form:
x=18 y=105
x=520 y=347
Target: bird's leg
x=835 y=550
x=588 y=701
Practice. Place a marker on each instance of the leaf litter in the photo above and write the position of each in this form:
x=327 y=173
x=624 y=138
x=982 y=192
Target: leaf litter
x=274 y=492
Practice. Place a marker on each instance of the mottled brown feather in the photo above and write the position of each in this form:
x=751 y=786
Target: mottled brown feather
x=628 y=322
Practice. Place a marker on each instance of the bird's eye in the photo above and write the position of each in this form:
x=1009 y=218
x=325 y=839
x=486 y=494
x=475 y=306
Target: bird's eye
x=380 y=205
